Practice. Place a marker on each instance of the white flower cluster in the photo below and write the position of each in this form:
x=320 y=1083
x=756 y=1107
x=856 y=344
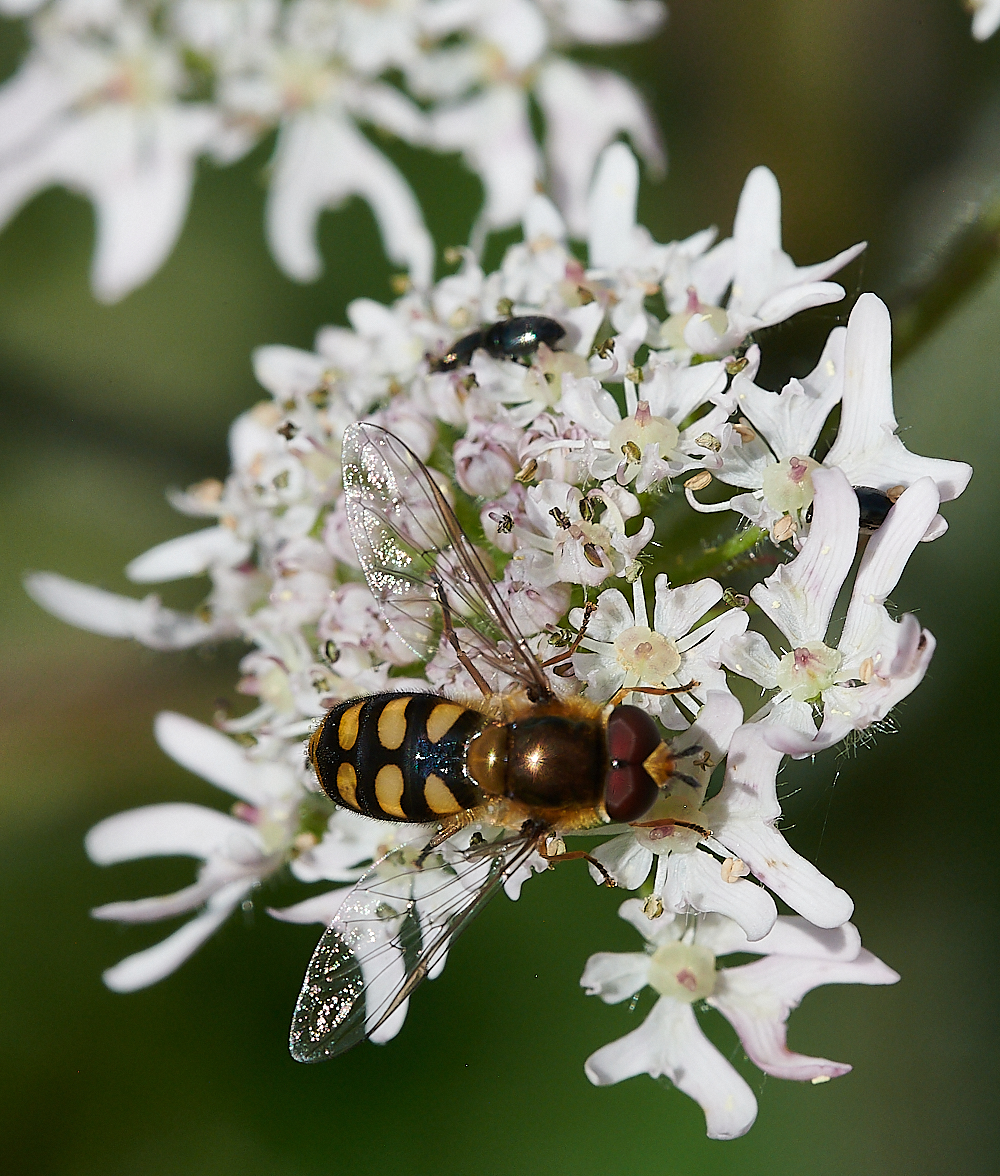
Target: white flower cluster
x=569 y=459
x=117 y=99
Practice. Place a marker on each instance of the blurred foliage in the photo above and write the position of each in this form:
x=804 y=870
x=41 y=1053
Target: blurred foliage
x=880 y=120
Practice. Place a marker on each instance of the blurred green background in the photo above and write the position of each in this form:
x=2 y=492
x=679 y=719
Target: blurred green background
x=880 y=118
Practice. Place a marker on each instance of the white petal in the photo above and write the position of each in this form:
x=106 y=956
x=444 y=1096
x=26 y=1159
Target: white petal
x=136 y=165
x=611 y=211
x=319 y=162
x=985 y=18
x=677 y=609
x=669 y=1043
x=791 y=420
x=883 y=563
x=542 y=220
x=321 y=908
x=220 y=760
x=586 y=109
x=189 y=555
x=625 y=860
x=757 y=999
x=786 y=303
x=149 y=910
x=117 y=616
x=30 y=99
x=791 y=877
x=799 y=597
x=615 y=975
x=695 y=883
x=146 y=967
x=165 y=829
x=609 y=22
x=717 y=722
x=866 y=448
x=750 y=656
x=791 y=935
x=493 y=132
x=757 y=237
x=287 y=372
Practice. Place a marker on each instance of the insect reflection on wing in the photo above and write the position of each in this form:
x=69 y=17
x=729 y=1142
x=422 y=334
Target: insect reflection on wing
x=416 y=557
x=394 y=930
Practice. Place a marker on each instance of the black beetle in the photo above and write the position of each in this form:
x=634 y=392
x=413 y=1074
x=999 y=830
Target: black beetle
x=511 y=338
x=874 y=504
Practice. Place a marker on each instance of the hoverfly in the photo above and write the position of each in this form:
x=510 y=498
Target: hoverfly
x=516 y=338
x=523 y=763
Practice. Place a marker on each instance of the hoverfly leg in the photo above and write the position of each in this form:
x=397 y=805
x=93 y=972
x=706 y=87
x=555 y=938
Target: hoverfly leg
x=665 y=822
x=574 y=855
x=448 y=829
x=689 y=780
x=660 y=690
x=449 y=634
x=588 y=611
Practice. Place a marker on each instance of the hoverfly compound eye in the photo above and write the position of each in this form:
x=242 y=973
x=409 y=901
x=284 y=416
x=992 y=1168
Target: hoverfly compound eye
x=632 y=738
x=632 y=735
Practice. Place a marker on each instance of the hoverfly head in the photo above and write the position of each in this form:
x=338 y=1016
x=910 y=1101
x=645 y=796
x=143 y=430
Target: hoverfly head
x=640 y=763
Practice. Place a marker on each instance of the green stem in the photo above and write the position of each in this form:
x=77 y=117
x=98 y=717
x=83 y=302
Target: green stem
x=970 y=256
x=714 y=559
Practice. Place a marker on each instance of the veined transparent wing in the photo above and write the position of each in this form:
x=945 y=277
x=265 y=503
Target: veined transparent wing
x=412 y=549
x=393 y=931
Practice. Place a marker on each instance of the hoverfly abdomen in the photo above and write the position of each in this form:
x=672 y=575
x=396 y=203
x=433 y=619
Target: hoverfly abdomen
x=398 y=757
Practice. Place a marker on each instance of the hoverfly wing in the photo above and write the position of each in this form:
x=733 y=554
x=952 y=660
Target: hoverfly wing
x=392 y=932
x=412 y=549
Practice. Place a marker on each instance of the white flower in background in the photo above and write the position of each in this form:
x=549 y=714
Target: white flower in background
x=985 y=17
x=877 y=661
x=705 y=851
x=680 y=964
x=119 y=99
x=97 y=107
x=770 y=451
